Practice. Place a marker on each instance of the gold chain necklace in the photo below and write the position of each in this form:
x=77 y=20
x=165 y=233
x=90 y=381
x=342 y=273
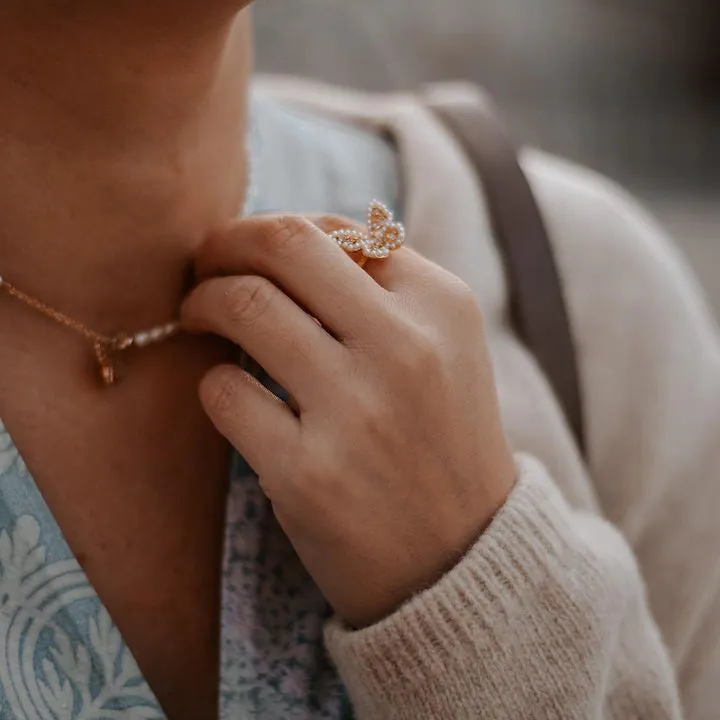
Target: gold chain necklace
x=105 y=347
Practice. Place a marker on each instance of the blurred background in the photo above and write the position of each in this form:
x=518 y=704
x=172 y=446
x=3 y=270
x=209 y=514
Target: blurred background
x=628 y=87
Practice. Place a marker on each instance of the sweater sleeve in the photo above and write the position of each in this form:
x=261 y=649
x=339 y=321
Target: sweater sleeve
x=545 y=617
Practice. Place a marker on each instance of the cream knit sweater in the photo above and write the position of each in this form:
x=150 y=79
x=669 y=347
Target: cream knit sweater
x=595 y=593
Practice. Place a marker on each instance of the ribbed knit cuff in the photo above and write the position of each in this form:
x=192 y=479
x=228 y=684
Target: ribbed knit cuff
x=430 y=658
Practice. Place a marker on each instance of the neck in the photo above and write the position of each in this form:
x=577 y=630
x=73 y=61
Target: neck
x=120 y=151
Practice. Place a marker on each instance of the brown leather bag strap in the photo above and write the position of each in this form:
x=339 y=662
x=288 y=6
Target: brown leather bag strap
x=536 y=296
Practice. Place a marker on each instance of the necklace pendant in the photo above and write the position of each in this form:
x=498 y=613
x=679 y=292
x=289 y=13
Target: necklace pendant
x=104 y=356
x=108 y=374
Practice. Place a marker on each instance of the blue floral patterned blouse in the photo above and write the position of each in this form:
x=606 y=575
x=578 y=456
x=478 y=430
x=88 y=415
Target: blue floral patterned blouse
x=61 y=656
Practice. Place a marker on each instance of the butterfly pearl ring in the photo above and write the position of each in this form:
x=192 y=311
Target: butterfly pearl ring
x=383 y=235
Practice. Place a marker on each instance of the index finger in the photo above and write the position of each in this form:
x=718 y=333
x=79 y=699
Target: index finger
x=305 y=263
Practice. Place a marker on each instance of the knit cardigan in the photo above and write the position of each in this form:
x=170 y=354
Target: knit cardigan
x=595 y=592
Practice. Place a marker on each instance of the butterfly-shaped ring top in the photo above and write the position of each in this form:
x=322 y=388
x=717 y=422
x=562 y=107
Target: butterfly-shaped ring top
x=382 y=237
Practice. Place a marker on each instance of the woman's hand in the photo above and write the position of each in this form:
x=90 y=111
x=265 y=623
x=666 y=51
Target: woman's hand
x=393 y=459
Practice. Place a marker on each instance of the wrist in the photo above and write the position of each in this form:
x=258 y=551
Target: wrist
x=456 y=536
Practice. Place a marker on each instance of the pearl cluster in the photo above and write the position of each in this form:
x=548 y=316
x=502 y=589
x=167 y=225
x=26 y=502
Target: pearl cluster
x=154 y=335
x=382 y=238
x=349 y=240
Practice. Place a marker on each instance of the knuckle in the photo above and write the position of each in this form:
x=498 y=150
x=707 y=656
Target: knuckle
x=315 y=473
x=427 y=359
x=465 y=299
x=459 y=291
x=282 y=234
x=420 y=353
x=247 y=299
x=375 y=417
